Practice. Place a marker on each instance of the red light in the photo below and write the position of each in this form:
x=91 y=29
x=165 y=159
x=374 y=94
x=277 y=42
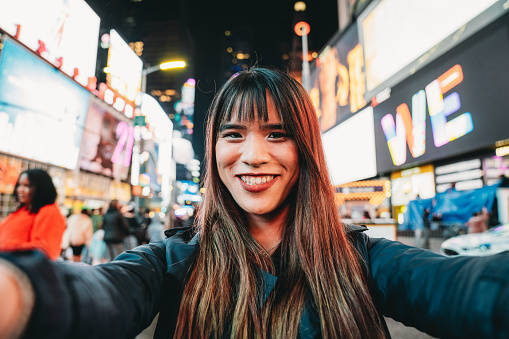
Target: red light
x=302 y=26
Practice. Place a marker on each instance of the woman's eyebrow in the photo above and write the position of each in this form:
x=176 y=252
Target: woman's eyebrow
x=231 y=126
x=273 y=126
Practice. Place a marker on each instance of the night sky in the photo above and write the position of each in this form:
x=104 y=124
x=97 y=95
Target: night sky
x=269 y=21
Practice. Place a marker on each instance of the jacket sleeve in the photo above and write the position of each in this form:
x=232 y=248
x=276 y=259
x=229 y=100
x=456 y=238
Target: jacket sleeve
x=114 y=300
x=48 y=230
x=447 y=297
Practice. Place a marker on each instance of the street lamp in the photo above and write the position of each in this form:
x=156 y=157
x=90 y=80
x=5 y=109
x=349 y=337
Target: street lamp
x=302 y=29
x=164 y=66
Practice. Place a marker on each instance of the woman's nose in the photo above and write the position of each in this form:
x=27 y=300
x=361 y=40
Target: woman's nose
x=254 y=152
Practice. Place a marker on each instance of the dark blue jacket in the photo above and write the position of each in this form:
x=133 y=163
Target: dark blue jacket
x=115 y=226
x=460 y=297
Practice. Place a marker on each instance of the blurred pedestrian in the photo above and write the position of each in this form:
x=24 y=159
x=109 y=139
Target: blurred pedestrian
x=97 y=252
x=478 y=222
x=155 y=231
x=423 y=235
x=37 y=221
x=115 y=228
x=79 y=233
x=136 y=234
x=97 y=219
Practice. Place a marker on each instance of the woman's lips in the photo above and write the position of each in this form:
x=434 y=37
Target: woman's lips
x=254 y=187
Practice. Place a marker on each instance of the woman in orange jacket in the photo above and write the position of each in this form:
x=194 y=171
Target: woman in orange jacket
x=37 y=221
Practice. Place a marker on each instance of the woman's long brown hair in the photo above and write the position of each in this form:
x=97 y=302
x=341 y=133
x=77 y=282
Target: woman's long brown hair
x=319 y=266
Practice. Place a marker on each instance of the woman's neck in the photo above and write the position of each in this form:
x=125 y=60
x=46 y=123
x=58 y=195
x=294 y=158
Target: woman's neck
x=268 y=229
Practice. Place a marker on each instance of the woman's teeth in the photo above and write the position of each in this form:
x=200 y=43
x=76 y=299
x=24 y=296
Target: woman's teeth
x=256 y=180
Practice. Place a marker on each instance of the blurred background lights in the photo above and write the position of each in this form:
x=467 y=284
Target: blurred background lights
x=299 y=6
x=227 y=33
x=145 y=191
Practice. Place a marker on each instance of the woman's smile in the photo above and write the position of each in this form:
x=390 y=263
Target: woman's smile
x=257 y=183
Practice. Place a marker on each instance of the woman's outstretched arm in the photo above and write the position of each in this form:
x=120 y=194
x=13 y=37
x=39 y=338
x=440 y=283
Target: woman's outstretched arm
x=447 y=297
x=114 y=300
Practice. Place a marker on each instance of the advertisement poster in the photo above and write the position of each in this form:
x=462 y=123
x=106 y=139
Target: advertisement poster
x=337 y=80
x=42 y=111
x=125 y=68
x=107 y=141
x=66 y=29
x=452 y=106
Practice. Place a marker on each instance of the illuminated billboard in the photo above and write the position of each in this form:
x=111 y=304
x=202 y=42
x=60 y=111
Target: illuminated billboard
x=42 y=111
x=350 y=149
x=66 y=29
x=400 y=36
x=160 y=150
x=452 y=106
x=124 y=68
x=337 y=80
x=107 y=142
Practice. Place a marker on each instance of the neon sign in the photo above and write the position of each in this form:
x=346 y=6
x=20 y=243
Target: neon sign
x=410 y=129
x=120 y=103
x=125 y=134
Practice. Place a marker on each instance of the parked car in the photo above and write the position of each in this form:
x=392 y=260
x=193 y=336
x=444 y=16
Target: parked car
x=494 y=240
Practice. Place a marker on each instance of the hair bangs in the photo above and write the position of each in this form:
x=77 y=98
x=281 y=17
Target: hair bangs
x=245 y=101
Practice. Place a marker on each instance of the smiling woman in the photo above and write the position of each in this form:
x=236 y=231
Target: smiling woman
x=268 y=256
x=262 y=126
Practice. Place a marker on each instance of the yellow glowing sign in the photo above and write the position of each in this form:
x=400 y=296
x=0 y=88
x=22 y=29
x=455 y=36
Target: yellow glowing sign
x=338 y=85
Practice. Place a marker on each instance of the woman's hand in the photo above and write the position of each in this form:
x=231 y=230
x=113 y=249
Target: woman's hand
x=16 y=301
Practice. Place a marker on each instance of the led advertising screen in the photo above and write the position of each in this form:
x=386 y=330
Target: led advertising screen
x=42 y=111
x=107 y=142
x=350 y=149
x=125 y=67
x=160 y=161
x=337 y=80
x=67 y=29
x=400 y=36
x=455 y=105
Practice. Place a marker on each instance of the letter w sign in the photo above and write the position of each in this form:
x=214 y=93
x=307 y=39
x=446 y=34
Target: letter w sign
x=411 y=128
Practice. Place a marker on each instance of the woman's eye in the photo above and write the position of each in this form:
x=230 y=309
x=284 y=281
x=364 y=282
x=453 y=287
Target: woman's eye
x=231 y=135
x=278 y=135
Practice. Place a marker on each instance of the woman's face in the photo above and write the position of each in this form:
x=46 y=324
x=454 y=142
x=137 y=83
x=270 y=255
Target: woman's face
x=24 y=190
x=257 y=162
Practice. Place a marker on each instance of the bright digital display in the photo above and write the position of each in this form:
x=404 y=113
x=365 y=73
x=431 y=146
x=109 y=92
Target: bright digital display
x=411 y=128
x=125 y=67
x=338 y=80
x=457 y=104
x=42 y=111
x=161 y=151
x=401 y=36
x=66 y=29
x=350 y=149
x=107 y=142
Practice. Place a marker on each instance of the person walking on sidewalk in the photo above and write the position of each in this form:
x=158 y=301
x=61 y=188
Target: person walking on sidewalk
x=79 y=233
x=115 y=228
